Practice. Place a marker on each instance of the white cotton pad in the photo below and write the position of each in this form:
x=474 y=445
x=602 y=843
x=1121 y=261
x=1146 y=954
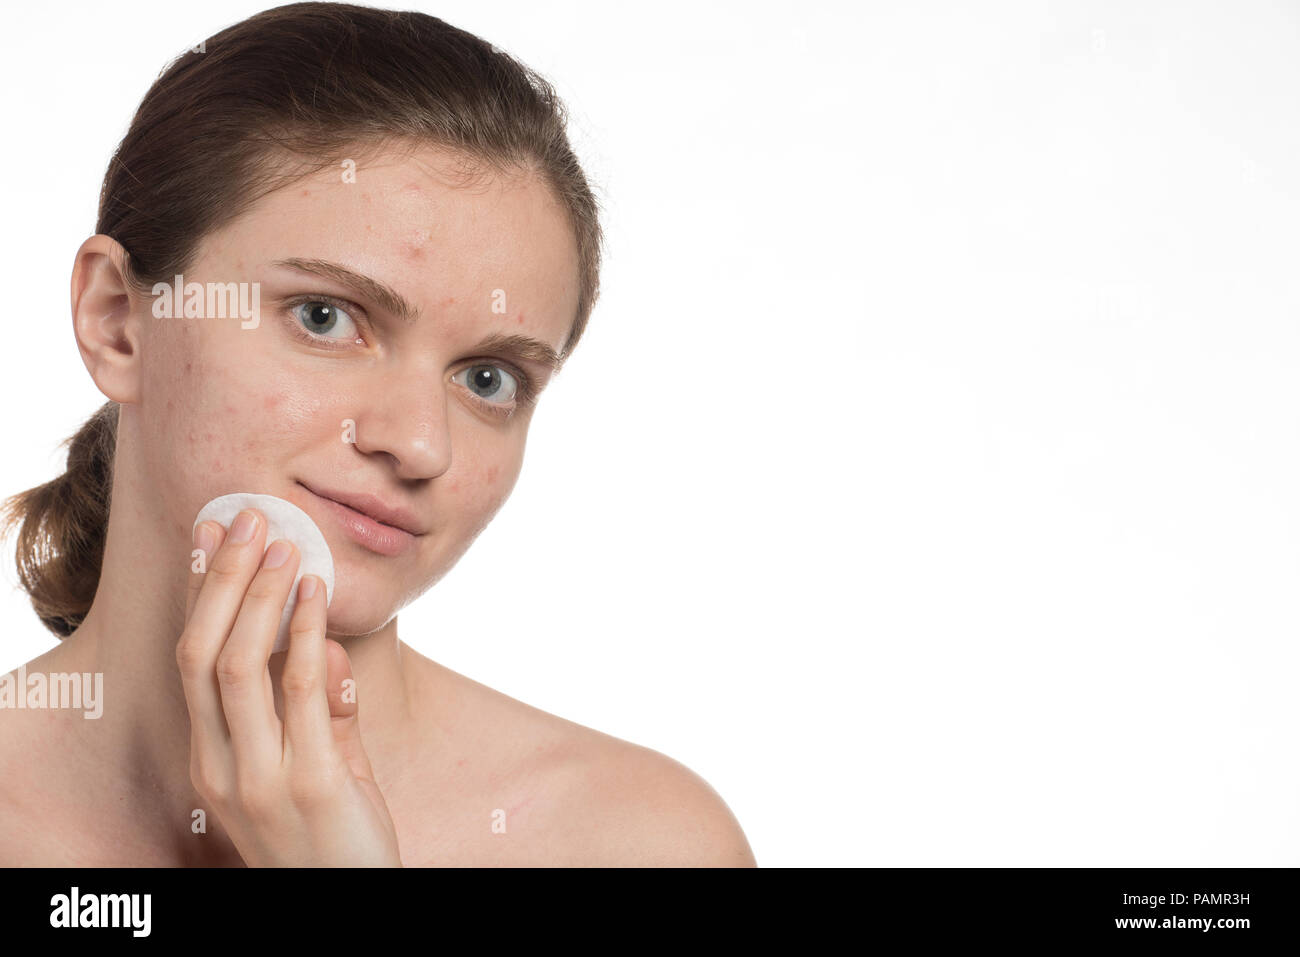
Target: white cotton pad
x=284 y=520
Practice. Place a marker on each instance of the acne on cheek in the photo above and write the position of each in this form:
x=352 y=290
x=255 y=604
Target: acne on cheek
x=283 y=410
x=219 y=450
x=471 y=502
x=230 y=412
x=494 y=489
x=216 y=439
x=487 y=479
x=228 y=423
x=216 y=466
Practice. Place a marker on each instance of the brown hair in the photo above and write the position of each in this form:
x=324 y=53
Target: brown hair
x=278 y=96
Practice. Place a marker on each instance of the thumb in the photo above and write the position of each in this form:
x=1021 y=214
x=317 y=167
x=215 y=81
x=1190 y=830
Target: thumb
x=343 y=709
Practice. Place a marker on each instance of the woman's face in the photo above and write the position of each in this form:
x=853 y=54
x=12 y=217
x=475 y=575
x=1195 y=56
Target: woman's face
x=334 y=392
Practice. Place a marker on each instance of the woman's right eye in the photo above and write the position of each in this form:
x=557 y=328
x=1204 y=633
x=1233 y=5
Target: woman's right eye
x=323 y=318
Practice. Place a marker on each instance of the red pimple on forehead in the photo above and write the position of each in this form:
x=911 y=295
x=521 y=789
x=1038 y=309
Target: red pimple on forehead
x=415 y=248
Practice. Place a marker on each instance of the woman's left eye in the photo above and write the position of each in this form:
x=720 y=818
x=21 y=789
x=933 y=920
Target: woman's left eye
x=323 y=318
x=489 y=382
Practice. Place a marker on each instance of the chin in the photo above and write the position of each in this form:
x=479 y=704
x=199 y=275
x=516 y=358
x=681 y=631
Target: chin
x=365 y=598
x=344 y=621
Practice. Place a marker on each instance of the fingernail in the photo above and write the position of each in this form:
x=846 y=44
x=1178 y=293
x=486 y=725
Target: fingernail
x=277 y=555
x=204 y=538
x=245 y=525
x=307 y=588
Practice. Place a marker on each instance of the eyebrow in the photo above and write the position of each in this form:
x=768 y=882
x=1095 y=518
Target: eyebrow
x=522 y=347
x=372 y=289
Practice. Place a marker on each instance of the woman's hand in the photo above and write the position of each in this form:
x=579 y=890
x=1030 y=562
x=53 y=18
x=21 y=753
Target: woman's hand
x=297 y=793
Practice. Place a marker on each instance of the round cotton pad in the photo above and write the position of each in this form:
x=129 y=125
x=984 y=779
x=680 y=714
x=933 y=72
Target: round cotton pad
x=284 y=520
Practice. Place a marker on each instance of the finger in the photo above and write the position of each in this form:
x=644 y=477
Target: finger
x=229 y=571
x=208 y=537
x=215 y=606
x=247 y=695
x=345 y=711
x=210 y=760
x=307 y=730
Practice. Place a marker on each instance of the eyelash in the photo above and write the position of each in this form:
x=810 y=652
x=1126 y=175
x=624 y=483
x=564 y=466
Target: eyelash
x=525 y=393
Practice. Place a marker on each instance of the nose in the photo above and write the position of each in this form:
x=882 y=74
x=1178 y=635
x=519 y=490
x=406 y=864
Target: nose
x=406 y=419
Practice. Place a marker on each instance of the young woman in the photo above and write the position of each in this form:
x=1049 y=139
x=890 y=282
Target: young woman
x=394 y=207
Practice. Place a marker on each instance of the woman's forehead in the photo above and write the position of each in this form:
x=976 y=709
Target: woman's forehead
x=502 y=239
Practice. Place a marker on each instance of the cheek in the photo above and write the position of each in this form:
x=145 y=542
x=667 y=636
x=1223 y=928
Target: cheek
x=200 y=421
x=478 y=493
x=226 y=420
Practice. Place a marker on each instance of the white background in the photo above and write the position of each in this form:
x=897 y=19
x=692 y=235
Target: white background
x=927 y=478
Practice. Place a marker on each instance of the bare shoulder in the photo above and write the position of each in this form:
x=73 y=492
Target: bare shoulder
x=15 y=836
x=631 y=806
x=28 y=797
x=589 y=799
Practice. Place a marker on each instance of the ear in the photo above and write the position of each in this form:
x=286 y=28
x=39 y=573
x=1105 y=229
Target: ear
x=108 y=334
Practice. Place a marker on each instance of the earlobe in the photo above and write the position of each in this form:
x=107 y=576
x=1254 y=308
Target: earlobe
x=107 y=334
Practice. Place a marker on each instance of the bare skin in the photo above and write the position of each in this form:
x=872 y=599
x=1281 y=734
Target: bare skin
x=208 y=407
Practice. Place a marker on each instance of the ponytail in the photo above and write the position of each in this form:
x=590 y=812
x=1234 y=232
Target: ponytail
x=62 y=526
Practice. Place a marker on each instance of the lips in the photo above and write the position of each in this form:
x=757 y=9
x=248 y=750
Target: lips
x=372 y=507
